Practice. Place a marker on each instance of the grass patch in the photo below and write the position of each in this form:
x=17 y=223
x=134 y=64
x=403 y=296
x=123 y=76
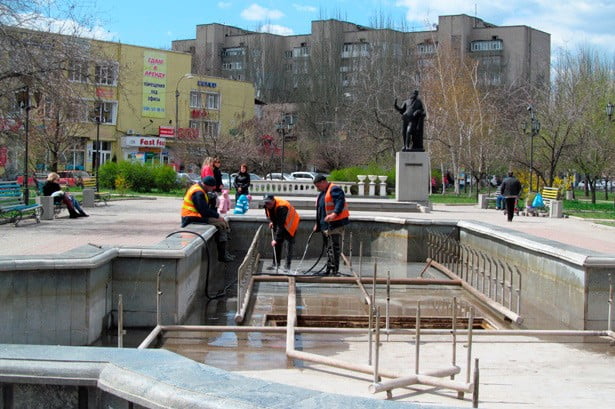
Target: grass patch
x=452 y=199
x=583 y=208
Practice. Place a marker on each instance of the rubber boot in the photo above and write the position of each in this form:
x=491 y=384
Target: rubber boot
x=223 y=256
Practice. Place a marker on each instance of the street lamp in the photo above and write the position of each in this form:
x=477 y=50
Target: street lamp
x=177 y=102
x=534 y=130
x=24 y=103
x=283 y=128
x=97 y=163
x=609 y=111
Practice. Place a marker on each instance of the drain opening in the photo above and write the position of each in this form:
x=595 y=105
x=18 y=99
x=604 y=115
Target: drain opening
x=359 y=321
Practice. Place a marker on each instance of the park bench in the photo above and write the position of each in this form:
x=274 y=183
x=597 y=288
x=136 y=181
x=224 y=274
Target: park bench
x=549 y=195
x=12 y=206
x=90 y=183
x=48 y=205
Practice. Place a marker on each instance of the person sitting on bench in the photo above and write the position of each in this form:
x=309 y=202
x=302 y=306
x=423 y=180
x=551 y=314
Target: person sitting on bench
x=52 y=188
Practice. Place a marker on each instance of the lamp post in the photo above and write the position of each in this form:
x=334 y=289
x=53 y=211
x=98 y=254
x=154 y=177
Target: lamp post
x=534 y=130
x=24 y=103
x=177 y=102
x=283 y=128
x=97 y=163
x=609 y=111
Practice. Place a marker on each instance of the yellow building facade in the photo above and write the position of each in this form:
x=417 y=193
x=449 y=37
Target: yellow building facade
x=143 y=102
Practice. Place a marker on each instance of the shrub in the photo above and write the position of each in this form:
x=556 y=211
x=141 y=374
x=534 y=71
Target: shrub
x=165 y=178
x=350 y=174
x=107 y=174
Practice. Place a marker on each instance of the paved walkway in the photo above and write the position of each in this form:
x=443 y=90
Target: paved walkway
x=147 y=221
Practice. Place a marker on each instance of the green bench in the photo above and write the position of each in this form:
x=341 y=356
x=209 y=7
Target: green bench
x=12 y=206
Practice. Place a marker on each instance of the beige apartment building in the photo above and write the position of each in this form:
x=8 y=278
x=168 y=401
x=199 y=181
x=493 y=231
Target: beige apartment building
x=507 y=55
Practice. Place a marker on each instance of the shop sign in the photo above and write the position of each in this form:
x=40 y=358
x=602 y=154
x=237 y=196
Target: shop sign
x=104 y=93
x=198 y=113
x=143 y=141
x=207 y=84
x=166 y=131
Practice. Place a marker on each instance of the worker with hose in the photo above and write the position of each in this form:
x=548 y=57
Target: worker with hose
x=283 y=222
x=331 y=219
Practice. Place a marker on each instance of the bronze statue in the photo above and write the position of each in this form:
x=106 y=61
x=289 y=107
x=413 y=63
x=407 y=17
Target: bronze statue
x=413 y=115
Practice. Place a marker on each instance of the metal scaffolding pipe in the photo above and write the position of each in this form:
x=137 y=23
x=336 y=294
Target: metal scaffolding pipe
x=291 y=315
x=398 y=331
x=417 y=332
x=150 y=338
x=120 y=322
x=364 y=280
x=407 y=380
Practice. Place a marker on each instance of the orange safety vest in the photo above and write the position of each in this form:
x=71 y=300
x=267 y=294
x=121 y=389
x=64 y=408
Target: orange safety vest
x=330 y=205
x=188 y=209
x=292 y=217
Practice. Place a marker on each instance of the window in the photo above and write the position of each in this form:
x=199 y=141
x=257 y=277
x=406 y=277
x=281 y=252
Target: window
x=207 y=129
x=78 y=72
x=105 y=111
x=213 y=101
x=489 y=45
x=208 y=100
x=303 y=51
x=232 y=52
x=288 y=54
x=238 y=65
x=353 y=50
x=105 y=74
x=426 y=48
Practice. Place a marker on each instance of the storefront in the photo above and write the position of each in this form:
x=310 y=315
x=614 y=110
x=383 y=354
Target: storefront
x=145 y=149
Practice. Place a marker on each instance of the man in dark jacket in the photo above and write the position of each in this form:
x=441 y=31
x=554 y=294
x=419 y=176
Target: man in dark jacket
x=511 y=189
x=284 y=220
x=331 y=218
x=197 y=208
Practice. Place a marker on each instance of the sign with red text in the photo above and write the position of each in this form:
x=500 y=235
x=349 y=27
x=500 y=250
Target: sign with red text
x=154 y=84
x=143 y=142
x=187 y=133
x=166 y=131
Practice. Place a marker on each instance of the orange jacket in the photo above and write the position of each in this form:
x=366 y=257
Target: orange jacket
x=188 y=208
x=291 y=223
x=330 y=206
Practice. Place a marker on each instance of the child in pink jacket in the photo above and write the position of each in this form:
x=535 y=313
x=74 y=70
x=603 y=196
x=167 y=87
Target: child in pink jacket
x=224 y=203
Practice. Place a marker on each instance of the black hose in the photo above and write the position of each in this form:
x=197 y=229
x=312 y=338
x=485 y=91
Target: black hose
x=222 y=292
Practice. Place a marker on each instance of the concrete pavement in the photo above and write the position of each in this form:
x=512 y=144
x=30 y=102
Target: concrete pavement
x=146 y=222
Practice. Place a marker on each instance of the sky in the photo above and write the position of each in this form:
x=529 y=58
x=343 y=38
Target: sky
x=155 y=23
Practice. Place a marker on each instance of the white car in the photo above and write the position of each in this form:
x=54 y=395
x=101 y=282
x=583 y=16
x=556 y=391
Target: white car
x=278 y=176
x=304 y=176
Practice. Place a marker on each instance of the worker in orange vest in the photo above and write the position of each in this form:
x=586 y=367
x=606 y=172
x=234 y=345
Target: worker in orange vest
x=331 y=219
x=284 y=220
x=199 y=207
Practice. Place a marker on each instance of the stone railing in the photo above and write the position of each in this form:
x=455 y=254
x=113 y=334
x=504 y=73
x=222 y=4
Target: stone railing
x=374 y=186
x=292 y=187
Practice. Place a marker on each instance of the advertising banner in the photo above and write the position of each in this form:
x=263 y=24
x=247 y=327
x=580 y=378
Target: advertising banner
x=154 y=84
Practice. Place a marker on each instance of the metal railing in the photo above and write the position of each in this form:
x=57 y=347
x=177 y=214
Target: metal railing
x=245 y=282
x=494 y=278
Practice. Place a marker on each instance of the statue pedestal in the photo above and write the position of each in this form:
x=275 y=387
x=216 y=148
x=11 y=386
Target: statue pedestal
x=412 y=181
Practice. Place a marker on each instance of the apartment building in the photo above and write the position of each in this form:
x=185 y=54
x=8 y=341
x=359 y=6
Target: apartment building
x=507 y=55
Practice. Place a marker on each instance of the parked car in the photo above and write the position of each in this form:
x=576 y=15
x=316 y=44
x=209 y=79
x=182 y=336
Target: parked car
x=279 y=176
x=188 y=178
x=304 y=176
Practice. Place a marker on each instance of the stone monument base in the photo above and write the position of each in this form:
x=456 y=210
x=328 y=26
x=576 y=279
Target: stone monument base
x=412 y=180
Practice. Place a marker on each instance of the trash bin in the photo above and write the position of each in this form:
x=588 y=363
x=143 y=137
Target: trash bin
x=89 y=198
x=557 y=208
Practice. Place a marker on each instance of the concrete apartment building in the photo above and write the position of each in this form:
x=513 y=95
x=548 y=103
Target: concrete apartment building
x=507 y=55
